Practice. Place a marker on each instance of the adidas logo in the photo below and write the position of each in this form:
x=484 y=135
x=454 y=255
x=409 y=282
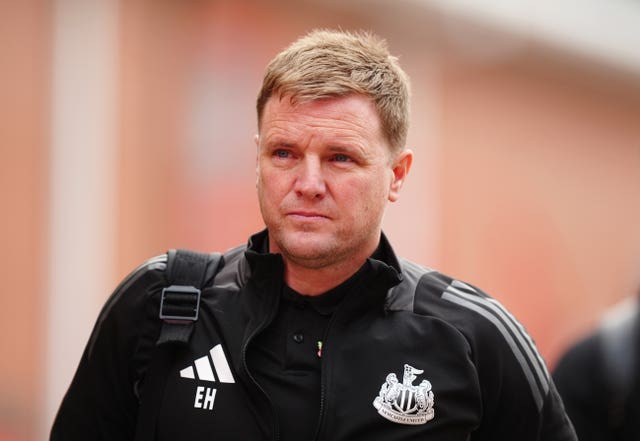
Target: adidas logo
x=205 y=396
x=204 y=370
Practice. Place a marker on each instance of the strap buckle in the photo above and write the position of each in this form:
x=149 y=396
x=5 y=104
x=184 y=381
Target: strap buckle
x=180 y=303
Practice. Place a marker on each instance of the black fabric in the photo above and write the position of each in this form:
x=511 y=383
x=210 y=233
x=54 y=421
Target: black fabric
x=189 y=269
x=591 y=396
x=186 y=267
x=629 y=430
x=401 y=314
x=581 y=383
x=286 y=357
x=153 y=389
x=102 y=400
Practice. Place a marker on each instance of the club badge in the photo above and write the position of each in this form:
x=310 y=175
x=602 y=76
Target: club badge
x=405 y=403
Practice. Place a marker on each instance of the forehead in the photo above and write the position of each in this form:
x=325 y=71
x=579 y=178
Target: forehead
x=351 y=115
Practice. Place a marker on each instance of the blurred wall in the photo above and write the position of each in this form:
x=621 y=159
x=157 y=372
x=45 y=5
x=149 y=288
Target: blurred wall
x=526 y=181
x=542 y=177
x=25 y=30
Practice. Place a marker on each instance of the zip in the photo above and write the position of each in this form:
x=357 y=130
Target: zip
x=323 y=374
x=351 y=297
x=257 y=330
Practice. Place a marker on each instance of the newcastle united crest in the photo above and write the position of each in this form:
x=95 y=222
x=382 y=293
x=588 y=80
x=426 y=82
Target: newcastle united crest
x=403 y=402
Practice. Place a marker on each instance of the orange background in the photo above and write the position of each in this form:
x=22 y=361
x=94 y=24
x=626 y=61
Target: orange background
x=526 y=181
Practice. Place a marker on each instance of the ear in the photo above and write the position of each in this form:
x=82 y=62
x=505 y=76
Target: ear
x=401 y=167
x=256 y=139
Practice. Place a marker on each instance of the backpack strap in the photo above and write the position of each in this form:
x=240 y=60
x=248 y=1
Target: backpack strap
x=187 y=273
x=618 y=342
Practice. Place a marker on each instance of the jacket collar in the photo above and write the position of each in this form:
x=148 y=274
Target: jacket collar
x=384 y=270
x=257 y=253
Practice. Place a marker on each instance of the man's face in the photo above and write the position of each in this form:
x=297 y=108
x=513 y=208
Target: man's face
x=325 y=174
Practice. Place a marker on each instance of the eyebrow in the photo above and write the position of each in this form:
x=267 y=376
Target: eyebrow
x=278 y=142
x=333 y=146
x=350 y=149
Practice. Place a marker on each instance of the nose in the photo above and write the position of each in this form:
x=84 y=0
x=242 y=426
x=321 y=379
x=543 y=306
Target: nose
x=310 y=182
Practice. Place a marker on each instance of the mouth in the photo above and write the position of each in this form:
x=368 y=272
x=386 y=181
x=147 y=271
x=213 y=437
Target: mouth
x=307 y=215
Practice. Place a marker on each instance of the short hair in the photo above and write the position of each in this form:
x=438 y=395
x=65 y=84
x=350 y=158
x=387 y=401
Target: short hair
x=328 y=64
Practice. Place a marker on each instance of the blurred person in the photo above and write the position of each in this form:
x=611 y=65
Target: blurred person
x=315 y=329
x=599 y=380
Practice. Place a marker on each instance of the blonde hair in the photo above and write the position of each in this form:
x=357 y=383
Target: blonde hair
x=326 y=64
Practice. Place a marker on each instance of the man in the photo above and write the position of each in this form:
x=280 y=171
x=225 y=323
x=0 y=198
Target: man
x=315 y=329
x=598 y=377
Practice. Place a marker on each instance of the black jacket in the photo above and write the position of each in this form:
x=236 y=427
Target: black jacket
x=598 y=377
x=409 y=354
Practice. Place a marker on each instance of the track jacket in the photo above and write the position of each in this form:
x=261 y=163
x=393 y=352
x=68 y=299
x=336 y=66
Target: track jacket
x=410 y=354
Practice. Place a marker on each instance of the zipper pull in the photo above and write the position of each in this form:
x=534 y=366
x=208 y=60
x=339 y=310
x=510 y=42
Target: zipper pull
x=319 y=348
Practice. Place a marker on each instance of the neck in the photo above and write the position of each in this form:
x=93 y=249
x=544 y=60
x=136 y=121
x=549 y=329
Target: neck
x=317 y=275
x=315 y=281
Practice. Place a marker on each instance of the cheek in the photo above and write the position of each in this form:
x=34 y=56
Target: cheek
x=262 y=184
x=271 y=187
x=368 y=195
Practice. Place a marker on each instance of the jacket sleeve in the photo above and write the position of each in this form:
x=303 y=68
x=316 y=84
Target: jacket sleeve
x=519 y=399
x=101 y=402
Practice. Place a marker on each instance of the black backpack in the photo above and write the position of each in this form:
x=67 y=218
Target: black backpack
x=187 y=273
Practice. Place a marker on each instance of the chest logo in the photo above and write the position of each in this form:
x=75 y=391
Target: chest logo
x=404 y=403
x=205 y=396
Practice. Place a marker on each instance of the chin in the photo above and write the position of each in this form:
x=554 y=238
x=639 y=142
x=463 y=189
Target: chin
x=306 y=246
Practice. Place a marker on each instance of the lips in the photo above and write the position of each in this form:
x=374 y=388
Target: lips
x=307 y=215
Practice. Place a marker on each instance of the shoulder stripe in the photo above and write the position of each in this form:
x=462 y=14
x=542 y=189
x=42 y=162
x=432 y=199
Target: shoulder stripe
x=512 y=331
x=523 y=337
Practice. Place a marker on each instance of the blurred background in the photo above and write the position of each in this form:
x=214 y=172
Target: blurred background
x=126 y=129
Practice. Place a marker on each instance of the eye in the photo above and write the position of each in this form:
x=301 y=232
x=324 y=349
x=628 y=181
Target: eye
x=280 y=153
x=340 y=157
